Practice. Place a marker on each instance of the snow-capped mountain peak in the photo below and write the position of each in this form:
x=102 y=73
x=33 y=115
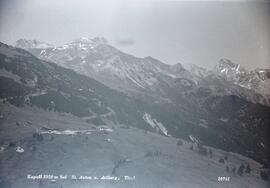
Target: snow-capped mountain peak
x=91 y=41
x=28 y=44
x=257 y=80
x=225 y=66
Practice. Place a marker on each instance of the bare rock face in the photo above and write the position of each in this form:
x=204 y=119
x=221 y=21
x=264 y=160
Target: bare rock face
x=257 y=80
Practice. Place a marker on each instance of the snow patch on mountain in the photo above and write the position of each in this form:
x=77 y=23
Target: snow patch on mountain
x=19 y=149
x=193 y=139
x=155 y=124
x=66 y=132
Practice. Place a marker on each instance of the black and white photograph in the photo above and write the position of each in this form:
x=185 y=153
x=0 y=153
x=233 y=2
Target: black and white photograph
x=134 y=94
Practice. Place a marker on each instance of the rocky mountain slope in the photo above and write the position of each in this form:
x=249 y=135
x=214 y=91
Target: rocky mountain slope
x=256 y=80
x=97 y=59
x=26 y=79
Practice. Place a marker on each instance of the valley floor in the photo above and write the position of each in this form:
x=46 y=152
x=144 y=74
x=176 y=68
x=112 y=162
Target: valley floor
x=38 y=142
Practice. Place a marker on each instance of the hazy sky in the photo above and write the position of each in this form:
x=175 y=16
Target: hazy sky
x=198 y=32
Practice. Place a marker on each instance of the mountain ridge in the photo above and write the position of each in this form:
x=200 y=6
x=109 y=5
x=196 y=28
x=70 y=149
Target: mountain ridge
x=96 y=58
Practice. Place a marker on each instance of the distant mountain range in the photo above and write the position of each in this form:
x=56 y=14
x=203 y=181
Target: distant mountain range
x=91 y=79
x=147 y=76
